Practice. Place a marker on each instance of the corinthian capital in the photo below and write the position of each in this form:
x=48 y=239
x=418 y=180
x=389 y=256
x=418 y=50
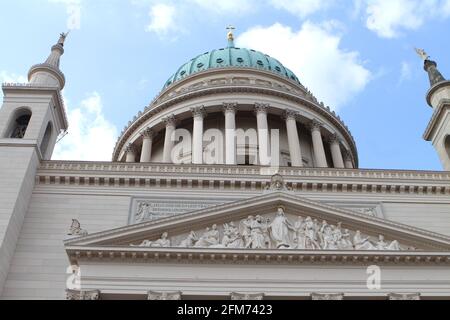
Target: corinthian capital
x=315 y=125
x=261 y=107
x=147 y=133
x=152 y=295
x=347 y=155
x=130 y=148
x=198 y=112
x=334 y=138
x=408 y=296
x=229 y=107
x=290 y=114
x=247 y=296
x=82 y=295
x=170 y=121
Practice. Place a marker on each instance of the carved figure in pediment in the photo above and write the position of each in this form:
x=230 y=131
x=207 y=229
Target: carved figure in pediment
x=232 y=237
x=321 y=233
x=266 y=232
x=299 y=235
x=346 y=243
x=311 y=240
x=256 y=239
x=246 y=230
x=279 y=230
x=329 y=238
x=163 y=242
x=209 y=238
x=383 y=245
x=190 y=241
x=362 y=243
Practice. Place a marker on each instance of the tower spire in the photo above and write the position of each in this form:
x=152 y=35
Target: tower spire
x=230 y=36
x=48 y=73
x=430 y=67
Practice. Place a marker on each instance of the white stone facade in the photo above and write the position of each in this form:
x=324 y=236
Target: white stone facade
x=136 y=224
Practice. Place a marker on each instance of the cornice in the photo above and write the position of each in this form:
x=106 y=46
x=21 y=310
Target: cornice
x=434 y=88
x=79 y=254
x=154 y=175
x=443 y=105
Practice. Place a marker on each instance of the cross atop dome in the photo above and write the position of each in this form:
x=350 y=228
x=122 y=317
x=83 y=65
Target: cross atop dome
x=230 y=36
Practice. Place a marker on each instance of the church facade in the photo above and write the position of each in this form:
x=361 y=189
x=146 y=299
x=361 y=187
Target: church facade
x=234 y=183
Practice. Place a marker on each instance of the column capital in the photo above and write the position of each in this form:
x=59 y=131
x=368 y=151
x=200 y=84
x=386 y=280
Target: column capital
x=229 y=107
x=247 y=296
x=82 y=295
x=334 y=138
x=130 y=148
x=199 y=112
x=153 y=295
x=315 y=125
x=408 y=296
x=261 y=107
x=147 y=133
x=289 y=114
x=347 y=155
x=170 y=121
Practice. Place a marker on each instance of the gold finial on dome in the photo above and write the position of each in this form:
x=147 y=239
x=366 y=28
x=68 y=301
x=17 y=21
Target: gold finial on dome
x=230 y=29
x=230 y=36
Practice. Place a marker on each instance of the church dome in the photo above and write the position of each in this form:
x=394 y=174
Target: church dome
x=231 y=57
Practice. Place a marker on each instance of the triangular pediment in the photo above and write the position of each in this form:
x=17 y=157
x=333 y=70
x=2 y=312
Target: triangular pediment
x=192 y=230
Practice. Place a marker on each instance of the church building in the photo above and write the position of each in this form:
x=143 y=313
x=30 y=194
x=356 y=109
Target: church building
x=235 y=182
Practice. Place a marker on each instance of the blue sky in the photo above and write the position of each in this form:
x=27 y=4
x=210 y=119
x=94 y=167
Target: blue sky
x=357 y=56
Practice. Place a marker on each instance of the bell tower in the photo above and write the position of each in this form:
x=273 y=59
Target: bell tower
x=31 y=118
x=438 y=97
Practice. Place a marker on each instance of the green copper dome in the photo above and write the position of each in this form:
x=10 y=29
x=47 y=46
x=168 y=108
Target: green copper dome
x=231 y=57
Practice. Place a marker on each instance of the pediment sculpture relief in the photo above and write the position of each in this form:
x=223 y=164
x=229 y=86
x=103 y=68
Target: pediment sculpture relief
x=258 y=232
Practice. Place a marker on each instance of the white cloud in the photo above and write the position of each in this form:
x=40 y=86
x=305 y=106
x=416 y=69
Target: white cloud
x=314 y=54
x=162 y=19
x=389 y=18
x=405 y=72
x=302 y=8
x=227 y=6
x=73 y=9
x=90 y=136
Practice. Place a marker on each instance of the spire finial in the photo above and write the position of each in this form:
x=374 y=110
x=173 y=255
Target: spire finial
x=62 y=38
x=230 y=36
x=430 y=67
x=422 y=54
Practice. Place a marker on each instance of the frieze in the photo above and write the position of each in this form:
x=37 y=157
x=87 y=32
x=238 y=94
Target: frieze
x=278 y=232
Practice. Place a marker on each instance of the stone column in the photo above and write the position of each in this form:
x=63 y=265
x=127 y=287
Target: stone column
x=197 y=136
x=168 y=143
x=263 y=133
x=348 y=160
x=319 y=151
x=293 y=140
x=130 y=153
x=336 y=153
x=147 y=141
x=229 y=109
